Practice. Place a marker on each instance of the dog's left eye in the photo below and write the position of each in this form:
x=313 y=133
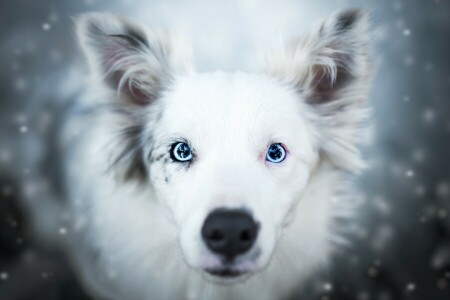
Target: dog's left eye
x=276 y=153
x=181 y=152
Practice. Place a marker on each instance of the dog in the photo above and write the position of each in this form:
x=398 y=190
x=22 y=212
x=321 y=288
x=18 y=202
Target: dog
x=188 y=185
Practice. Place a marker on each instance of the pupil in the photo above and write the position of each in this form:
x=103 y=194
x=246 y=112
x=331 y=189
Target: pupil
x=183 y=151
x=274 y=152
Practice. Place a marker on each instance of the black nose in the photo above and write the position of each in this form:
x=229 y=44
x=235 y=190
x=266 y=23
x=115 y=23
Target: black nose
x=229 y=232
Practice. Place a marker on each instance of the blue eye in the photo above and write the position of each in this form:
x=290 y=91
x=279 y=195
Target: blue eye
x=181 y=152
x=276 y=153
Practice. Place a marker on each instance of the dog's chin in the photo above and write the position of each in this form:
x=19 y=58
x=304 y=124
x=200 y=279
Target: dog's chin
x=226 y=276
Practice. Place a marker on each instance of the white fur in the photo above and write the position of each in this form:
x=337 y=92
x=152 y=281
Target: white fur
x=140 y=238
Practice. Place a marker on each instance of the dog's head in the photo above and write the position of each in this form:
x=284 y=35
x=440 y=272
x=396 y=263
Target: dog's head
x=230 y=155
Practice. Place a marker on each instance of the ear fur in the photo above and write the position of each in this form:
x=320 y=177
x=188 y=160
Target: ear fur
x=131 y=60
x=138 y=65
x=331 y=68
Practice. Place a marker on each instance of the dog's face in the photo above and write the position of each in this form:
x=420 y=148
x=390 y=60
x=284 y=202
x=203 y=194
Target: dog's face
x=229 y=155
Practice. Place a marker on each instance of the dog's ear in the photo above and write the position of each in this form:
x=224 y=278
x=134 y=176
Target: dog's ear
x=134 y=62
x=137 y=66
x=330 y=68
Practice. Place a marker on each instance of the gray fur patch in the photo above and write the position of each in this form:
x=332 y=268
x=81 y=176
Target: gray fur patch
x=130 y=158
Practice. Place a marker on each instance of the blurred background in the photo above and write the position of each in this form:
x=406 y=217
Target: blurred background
x=401 y=238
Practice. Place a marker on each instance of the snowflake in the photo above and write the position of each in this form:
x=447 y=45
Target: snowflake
x=328 y=287
x=4 y=276
x=410 y=287
x=23 y=129
x=46 y=26
x=372 y=272
x=442 y=213
x=428 y=116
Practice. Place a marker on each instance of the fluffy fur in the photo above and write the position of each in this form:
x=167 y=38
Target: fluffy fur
x=134 y=215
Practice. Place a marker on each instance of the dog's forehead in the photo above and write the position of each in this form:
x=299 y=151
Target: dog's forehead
x=238 y=97
x=222 y=88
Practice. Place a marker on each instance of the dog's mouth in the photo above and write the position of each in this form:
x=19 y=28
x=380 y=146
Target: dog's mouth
x=232 y=271
x=225 y=273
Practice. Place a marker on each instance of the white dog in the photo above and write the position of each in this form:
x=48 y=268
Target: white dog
x=186 y=185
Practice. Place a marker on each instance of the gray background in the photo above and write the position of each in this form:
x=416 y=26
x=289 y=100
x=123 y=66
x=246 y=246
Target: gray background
x=401 y=245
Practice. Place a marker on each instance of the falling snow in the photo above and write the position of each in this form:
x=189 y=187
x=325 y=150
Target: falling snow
x=46 y=26
x=400 y=245
x=4 y=276
x=411 y=287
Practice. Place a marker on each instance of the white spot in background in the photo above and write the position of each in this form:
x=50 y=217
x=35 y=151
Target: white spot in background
x=396 y=170
x=192 y=294
x=418 y=155
x=442 y=213
x=442 y=283
x=372 y=272
x=4 y=275
x=397 y=5
x=379 y=33
x=20 y=118
x=409 y=173
x=15 y=66
x=55 y=56
x=112 y=274
x=328 y=287
x=406 y=98
x=54 y=17
x=5 y=156
x=400 y=23
x=30 y=46
x=441 y=257
x=382 y=237
x=429 y=116
x=23 y=129
x=62 y=231
x=406 y=32
x=20 y=84
x=420 y=190
x=382 y=205
x=29 y=256
x=46 y=26
x=443 y=189
x=46 y=275
x=409 y=60
x=363 y=295
x=411 y=287
x=7 y=191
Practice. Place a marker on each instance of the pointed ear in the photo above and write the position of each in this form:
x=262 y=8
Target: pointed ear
x=330 y=68
x=132 y=61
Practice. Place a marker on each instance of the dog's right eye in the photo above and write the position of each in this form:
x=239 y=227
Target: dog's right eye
x=181 y=152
